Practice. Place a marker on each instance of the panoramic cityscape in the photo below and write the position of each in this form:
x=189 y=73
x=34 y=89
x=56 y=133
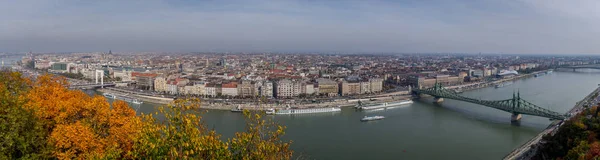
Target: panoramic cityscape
x=299 y=80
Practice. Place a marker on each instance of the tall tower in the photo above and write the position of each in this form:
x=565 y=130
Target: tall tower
x=178 y=66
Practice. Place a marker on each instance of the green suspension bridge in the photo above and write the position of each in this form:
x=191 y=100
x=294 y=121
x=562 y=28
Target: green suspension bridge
x=515 y=105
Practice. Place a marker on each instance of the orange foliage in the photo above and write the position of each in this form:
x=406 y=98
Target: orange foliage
x=124 y=125
x=594 y=151
x=81 y=126
x=77 y=126
x=53 y=101
x=76 y=138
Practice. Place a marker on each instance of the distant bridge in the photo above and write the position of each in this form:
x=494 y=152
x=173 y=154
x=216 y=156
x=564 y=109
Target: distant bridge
x=592 y=66
x=515 y=105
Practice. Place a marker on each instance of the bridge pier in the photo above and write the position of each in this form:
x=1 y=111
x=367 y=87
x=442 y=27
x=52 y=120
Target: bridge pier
x=438 y=99
x=416 y=95
x=515 y=117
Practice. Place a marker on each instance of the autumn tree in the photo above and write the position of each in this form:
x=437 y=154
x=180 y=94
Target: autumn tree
x=182 y=135
x=43 y=119
x=594 y=151
x=23 y=136
x=81 y=126
x=579 y=151
x=261 y=140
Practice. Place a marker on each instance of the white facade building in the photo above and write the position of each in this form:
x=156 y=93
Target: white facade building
x=230 y=91
x=376 y=84
x=160 y=84
x=266 y=89
x=210 y=90
x=285 y=88
x=365 y=87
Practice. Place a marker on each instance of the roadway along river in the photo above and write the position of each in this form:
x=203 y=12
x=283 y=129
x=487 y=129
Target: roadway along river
x=423 y=130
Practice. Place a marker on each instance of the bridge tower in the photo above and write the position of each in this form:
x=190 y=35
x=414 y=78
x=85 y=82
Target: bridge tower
x=516 y=102
x=438 y=87
x=101 y=72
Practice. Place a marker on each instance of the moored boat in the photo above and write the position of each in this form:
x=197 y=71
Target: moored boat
x=503 y=84
x=372 y=118
x=499 y=85
x=237 y=109
x=130 y=100
x=136 y=101
x=289 y=110
x=108 y=95
x=384 y=105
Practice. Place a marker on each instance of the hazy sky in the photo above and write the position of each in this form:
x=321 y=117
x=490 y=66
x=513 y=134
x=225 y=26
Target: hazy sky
x=506 y=26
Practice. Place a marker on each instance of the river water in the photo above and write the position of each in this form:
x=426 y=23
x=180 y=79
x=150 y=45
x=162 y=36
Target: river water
x=423 y=130
x=9 y=60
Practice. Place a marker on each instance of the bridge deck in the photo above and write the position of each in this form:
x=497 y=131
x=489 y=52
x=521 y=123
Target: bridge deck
x=515 y=105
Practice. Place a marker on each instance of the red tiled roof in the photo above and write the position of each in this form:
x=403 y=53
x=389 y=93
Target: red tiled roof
x=229 y=85
x=139 y=74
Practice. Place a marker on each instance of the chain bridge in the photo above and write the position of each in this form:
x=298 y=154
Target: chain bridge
x=515 y=105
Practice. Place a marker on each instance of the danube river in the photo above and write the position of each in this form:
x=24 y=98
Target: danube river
x=423 y=130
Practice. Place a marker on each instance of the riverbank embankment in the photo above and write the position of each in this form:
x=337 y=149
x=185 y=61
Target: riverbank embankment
x=248 y=105
x=479 y=85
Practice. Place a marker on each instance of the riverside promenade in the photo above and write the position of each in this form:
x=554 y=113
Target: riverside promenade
x=248 y=105
x=145 y=98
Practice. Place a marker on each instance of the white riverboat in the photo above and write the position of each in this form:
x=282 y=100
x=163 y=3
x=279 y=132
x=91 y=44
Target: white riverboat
x=503 y=84
x=237 y=109
x=372 y=118
x=384 y=105
x=108 y=95
x=136 y=101
x=130 y=100
x=303 y=110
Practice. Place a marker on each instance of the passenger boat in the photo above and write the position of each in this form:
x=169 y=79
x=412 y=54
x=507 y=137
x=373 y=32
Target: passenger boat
x=384 y=105
x=373 y=110
x=289 y=110
x=237 y=109
x=108 y=95
x=130 y=100
x=372 y=118
x=136 y=101
x=503 y=84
